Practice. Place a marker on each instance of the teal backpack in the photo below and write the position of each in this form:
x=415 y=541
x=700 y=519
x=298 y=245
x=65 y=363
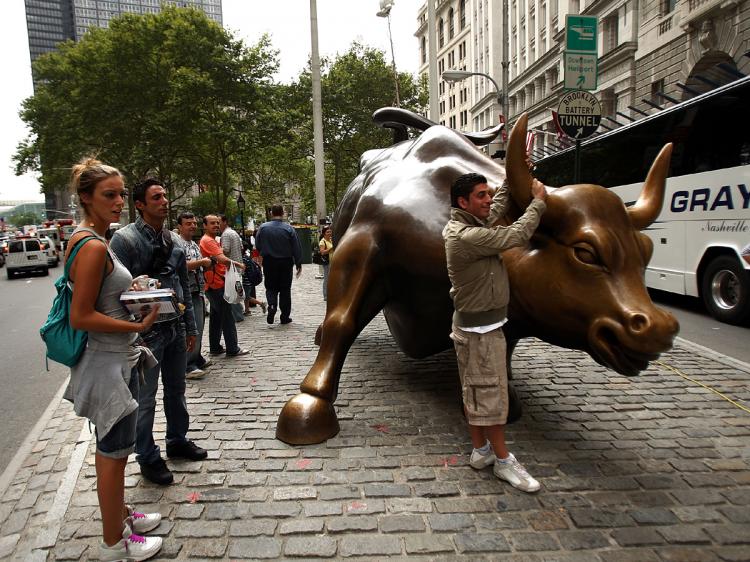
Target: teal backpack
x=64 y=343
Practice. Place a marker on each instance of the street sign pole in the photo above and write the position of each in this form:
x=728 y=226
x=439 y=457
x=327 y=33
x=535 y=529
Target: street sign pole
x=577 y=164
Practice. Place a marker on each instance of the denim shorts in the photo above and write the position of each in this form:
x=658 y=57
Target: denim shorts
x=119 y=442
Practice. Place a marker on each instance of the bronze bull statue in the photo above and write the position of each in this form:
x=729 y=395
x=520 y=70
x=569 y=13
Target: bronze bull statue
x=579 y=284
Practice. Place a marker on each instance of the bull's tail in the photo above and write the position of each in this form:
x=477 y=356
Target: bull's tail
x=399 y=119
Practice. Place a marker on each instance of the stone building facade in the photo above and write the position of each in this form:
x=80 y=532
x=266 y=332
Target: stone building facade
x=649 y=52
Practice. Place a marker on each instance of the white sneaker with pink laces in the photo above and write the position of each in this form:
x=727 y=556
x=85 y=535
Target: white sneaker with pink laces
x=142 y=522
x=131 y=547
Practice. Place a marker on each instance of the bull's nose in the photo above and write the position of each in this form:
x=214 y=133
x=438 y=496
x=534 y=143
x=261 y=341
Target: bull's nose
x=659 y=325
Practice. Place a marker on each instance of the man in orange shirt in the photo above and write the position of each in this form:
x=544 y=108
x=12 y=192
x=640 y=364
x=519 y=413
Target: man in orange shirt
x=221 y=320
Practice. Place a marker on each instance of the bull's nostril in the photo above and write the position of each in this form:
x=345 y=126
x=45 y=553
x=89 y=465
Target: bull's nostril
x=639 y=322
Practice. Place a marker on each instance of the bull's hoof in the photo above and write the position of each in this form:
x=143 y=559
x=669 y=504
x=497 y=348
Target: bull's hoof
x=307 y=419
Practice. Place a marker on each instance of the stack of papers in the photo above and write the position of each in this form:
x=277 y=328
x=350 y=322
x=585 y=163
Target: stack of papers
x=135 y=301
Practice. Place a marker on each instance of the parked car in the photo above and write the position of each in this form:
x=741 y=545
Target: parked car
x=25 y=254
x=48 y=245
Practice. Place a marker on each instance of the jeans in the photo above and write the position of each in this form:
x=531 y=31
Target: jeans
x=221 y=321
x=326 y=267
x=238 y=311
x=277 y=273
x=167 y=342
x=195 y=360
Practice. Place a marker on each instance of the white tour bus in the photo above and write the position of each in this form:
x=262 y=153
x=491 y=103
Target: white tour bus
x=705 y=219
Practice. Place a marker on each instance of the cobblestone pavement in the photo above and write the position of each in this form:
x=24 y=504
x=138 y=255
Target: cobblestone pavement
x=632 y=469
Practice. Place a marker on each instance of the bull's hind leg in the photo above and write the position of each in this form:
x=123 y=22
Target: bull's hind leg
x=354 y=298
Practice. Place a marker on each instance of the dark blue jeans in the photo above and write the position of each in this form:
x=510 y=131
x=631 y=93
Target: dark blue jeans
x=195 y=360
x=221 y=322
x=277 y=277
x=167 y=342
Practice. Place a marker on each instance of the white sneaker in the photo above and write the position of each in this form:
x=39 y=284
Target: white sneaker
x=131 y=547
x=142 y=522
x=480 y=461
x=195 y=374
x=515 y=474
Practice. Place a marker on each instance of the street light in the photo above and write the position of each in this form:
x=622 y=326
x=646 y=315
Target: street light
x=385 y=12
x=458 y=75
x=241 y=207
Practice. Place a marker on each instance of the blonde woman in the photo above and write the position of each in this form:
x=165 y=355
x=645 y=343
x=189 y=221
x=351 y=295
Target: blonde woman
x=104 y=384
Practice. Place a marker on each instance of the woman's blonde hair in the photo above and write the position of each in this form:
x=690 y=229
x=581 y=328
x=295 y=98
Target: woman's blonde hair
x=87 y=173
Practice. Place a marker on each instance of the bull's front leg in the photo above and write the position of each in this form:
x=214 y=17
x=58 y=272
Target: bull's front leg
x=354 y=298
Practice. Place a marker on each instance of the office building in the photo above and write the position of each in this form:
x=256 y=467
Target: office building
x=648 y=51
x=50 y=22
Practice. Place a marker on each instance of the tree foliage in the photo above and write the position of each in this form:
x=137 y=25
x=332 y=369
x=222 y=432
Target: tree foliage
x=353 y=86
x=171 y=95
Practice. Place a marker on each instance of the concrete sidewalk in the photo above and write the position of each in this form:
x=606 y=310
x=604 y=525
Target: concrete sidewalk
x=654 y=467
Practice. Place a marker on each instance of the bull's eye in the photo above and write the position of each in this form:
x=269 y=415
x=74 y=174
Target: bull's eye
x=586 y=254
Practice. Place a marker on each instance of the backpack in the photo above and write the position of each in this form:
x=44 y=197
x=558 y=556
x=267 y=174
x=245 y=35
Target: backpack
x=253 y=274
x=64 y=343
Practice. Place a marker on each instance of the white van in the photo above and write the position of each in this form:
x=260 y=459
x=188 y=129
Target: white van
x=25 y=254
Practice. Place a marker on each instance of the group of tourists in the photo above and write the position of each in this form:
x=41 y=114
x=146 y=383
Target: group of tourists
x=115 y=382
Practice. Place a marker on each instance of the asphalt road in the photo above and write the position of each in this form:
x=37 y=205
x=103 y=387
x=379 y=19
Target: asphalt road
x=26 y=388
x=698 y=327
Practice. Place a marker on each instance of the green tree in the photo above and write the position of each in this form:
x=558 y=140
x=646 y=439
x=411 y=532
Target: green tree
x=354 y=85
x=171 y=95
x=24 y=217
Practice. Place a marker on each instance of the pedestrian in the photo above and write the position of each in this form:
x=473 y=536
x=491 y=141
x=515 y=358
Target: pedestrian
x=250 y=278
x=480 y=293
x=325 y=243
x=104 y=383
x=280 y=252
x=231 y=245
x=220 y=321
x=146 y=247
x=187 y=227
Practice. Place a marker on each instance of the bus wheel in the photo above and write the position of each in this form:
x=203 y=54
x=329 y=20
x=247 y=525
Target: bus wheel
x=726 y=290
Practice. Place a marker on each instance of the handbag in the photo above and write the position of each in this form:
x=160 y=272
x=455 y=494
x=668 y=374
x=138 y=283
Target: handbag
x=233 y=291
x=317 y=258
x=253 y=273
x=64 y=343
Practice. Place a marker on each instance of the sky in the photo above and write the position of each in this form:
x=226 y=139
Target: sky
x=340 y=22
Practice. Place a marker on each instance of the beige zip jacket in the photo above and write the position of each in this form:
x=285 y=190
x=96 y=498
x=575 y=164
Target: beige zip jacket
x=479 y=280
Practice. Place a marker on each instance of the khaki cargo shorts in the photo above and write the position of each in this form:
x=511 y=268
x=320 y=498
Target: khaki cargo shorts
x=484 y=377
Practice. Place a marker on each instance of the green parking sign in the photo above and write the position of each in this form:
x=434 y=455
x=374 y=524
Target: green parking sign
x=581 y=33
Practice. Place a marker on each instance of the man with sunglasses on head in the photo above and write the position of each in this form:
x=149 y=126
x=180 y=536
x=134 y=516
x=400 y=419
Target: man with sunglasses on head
x=146 y=247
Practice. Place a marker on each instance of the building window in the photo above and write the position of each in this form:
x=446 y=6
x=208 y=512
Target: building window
x=451 y=29
x=441 y=34
x=657 y=87
x=668 y=6
x=423 y=50
x=462 y=14
x=610 y=33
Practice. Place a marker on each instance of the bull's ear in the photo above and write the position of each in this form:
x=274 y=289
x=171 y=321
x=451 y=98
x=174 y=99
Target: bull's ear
x=519 y=177
x=649 y=203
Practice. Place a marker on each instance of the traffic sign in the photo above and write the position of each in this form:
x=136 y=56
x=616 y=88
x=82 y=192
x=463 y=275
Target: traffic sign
x=581 y=33
x=581 y=71
x=579 y=114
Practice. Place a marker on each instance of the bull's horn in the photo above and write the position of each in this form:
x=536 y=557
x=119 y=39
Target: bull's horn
x=649 y=203
x=519 y=177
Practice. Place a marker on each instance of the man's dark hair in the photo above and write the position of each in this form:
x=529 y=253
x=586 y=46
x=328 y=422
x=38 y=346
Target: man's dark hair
x=223 y=218
x=463 y=186
x=139 y=191
x=277 y=211
x=184 y=215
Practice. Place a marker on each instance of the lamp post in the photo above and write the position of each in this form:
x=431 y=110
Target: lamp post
x=385 y=12
x=241 y=207
x=459 y=75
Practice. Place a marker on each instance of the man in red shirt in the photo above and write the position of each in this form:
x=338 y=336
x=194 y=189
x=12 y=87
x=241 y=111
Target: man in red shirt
x=221 y=320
